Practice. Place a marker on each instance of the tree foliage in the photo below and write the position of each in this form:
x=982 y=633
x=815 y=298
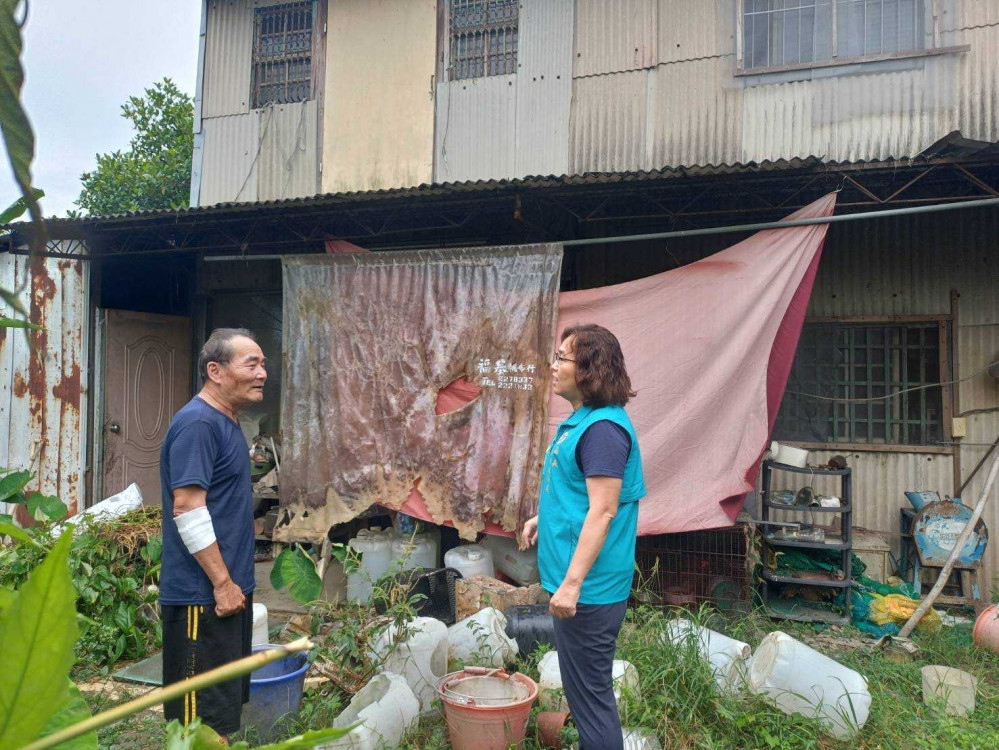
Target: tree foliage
x=155 y=171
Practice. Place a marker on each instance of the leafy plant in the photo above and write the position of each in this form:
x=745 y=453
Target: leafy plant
x=155 y=171
x=113 y=566
x=296 y=570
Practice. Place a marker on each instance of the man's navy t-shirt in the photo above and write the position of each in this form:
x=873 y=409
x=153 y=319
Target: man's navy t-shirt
x=206 y=448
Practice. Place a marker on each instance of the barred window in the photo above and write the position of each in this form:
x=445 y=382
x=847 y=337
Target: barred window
x=483 y=38
x=282 y=54
x=860 y=362
x=779 y=33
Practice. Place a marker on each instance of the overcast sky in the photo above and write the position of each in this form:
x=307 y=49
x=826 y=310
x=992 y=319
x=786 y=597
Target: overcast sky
x=83 y=59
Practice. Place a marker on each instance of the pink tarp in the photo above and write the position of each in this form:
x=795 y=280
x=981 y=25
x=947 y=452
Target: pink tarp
x=709 y=347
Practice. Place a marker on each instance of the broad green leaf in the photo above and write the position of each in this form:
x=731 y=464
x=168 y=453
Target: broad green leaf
x=16 y=129
x=6 y=322
x=195 y=736
x=7 y=596
x=39 y=630
x=14 y=482
x=73 y=710
x=51 y=506
x=14 y=532
x=294 y=569
x=16 y=209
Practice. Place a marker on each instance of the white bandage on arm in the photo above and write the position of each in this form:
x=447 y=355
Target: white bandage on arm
x=196 y=530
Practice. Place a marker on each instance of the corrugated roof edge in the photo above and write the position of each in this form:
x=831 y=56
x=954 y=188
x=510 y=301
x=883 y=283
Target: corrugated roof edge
x=482 y=186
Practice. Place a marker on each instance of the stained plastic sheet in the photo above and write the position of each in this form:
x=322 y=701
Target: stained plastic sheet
x=370 y=342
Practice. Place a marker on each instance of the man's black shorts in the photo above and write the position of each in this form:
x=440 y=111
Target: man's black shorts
x=195 y=640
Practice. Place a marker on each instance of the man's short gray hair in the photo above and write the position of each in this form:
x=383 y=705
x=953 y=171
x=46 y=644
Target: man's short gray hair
x=219 y=348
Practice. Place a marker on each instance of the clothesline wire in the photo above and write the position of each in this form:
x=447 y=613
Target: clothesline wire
x=817 y=397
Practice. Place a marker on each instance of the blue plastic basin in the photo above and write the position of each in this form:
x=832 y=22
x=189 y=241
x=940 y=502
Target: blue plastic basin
x=275 y=692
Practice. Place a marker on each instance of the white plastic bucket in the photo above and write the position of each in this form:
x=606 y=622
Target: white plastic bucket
x=376 y=557
x=520 y=565
x=481 y=640
x=419 y=655
x=386 y=708
x=956 y=688
x=260 y=625
x=470 y=560
x=416 y=551
x=798 y=679
x=726 y=656
x=623 y=673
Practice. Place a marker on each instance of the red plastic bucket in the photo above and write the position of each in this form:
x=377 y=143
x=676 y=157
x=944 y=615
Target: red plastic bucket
x=478 y=720
x=986 y=632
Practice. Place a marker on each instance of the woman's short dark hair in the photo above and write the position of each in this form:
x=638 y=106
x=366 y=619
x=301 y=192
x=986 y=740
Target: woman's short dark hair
x=219 y=348
x=600 y=374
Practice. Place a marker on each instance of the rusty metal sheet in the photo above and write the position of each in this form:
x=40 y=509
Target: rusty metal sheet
x=43 y=377
x=371 y=340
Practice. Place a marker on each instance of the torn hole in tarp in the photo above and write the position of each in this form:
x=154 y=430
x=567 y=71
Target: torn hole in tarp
x=456 y=394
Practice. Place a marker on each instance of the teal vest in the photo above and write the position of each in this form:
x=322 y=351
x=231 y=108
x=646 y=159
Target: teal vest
x=564 y=503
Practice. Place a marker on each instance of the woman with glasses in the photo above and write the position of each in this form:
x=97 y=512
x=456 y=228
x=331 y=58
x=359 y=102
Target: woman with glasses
x=587 y=524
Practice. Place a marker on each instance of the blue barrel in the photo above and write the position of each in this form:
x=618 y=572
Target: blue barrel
x=275 y=692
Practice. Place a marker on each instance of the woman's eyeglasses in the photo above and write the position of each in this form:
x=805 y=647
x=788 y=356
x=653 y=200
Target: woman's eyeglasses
x=559 y=359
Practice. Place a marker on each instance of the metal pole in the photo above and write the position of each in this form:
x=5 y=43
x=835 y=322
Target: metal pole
x=934 y=208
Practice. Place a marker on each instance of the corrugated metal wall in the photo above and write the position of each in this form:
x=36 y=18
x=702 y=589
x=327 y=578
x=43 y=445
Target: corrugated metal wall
x=250 y=155
x=514 y=125
x=43 y=385
x=230 y=171
x=228 y=58
x=693 y=109
x=287 y=163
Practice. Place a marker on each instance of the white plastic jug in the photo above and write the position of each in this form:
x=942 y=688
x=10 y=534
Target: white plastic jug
x=470 y=560
x=376 y=557
x=727 y=656
x=481 y=640
x=798 y=679
x=419 y=654
x=386 y=708
x=260 y=625
x=416 y=551
x=519 y=565
x=623 y=672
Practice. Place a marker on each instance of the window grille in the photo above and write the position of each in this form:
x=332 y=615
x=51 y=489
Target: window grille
x=779 y=33
x=483 y=38
x=864 y=362
x=282 y=54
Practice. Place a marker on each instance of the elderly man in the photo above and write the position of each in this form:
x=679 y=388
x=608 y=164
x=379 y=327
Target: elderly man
x=206 y=579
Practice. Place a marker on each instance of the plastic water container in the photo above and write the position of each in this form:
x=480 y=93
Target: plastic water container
x=417 y=551
x=418 y=652
x=275 y=692
x=376 y=558
x=470 y=560
x=520 y=565
x=386 y=709
x=727 y=656
x=956 y=688
x=623 y=673
x=798 y=679
x=260 y=626
x=482 y=640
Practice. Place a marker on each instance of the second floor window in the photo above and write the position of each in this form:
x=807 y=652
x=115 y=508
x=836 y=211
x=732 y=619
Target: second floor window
x=483 y=38
x=282 y=54
x=782 y=33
